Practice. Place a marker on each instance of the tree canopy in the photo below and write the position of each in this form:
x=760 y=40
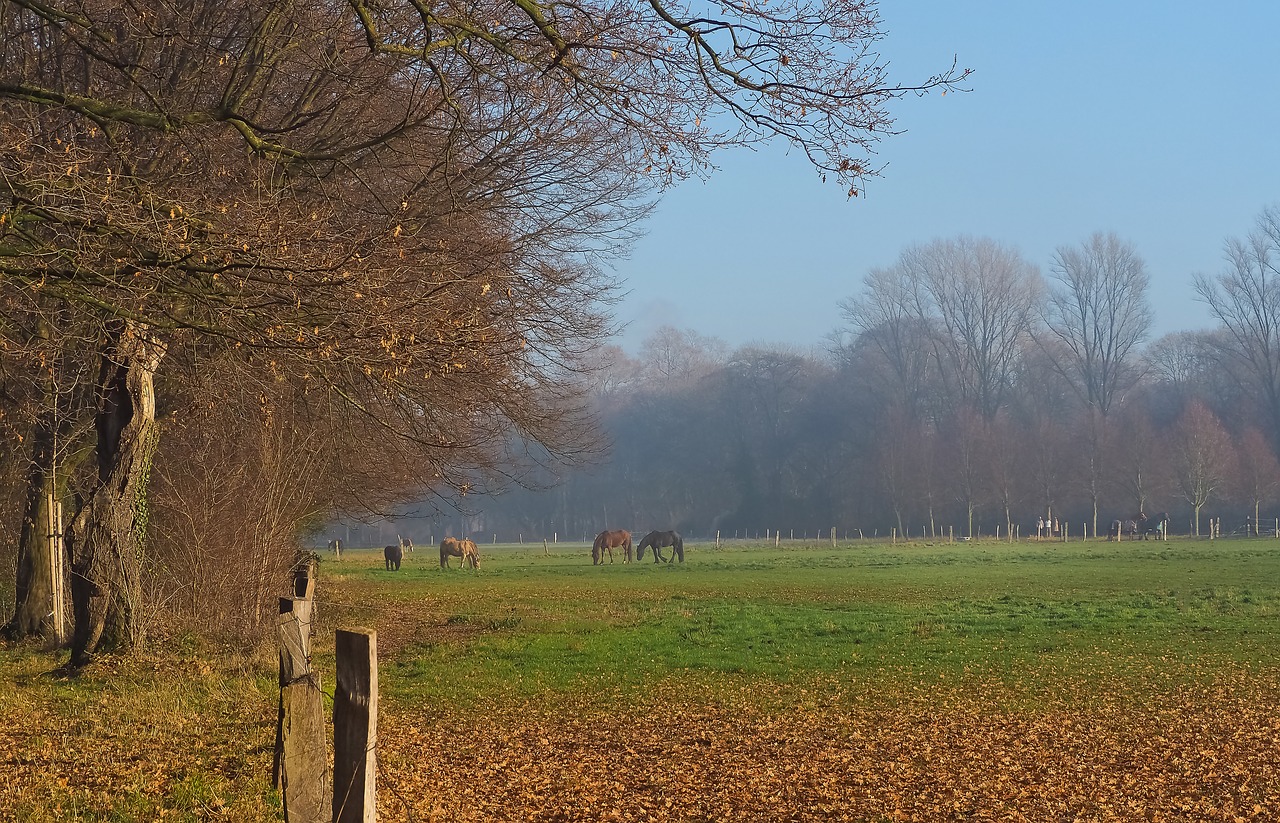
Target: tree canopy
x=399 y=209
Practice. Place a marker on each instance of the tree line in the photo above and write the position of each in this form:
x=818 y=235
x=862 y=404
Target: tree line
x=267 y=263
x=966 y=389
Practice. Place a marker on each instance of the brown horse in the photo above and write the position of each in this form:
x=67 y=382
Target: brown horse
x=656 y=540
x=393 y=555
x=464 y=549
x=608 y=541
x=470 y=554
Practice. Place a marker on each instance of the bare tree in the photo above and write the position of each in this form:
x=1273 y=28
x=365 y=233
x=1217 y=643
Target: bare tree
x=1202 y=457
x=885 y=322
x=1098 y=311
x=1257 y=478
x=980 y=298
x=1245 y=299
x=670 y=356
x=1141 y=463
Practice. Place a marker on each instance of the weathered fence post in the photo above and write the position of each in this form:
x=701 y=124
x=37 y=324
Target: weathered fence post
x=833 y=537
x=717 y=538
x=301 y=764
x=355 y=726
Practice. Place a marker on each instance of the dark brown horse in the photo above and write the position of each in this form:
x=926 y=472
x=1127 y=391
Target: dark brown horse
x=607 y=541
x=1156 y=524
x=656 y=541
x=393 y=555
x=464 y=549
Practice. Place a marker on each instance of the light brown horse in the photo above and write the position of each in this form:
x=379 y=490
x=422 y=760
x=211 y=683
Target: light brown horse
x=464 y=549
x=608 y=541
x=470 y=554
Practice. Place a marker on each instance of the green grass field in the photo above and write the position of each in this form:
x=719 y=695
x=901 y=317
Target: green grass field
x=864 y=681
x=1023 y=614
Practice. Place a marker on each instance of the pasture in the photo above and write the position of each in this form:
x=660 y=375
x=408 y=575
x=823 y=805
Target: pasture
x=862 y=682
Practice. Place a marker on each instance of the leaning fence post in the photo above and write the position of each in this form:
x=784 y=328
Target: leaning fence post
x=355 y=726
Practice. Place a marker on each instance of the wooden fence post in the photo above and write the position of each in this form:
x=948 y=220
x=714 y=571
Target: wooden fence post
x=355 y=726
x=301 y=767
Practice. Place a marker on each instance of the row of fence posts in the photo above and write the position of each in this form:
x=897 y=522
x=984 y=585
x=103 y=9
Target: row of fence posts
x=1215 y=530
x=301 y=772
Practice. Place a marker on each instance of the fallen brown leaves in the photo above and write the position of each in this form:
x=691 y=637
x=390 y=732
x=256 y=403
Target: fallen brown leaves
x=1196 y=754
x=196 y=746
x=133 y=740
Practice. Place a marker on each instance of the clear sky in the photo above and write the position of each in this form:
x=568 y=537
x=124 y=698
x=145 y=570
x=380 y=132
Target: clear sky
x=1156 y=119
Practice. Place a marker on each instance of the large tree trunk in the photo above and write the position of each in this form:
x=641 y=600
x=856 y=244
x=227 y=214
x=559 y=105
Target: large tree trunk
x=107 y=534
x=54 y=459
x=33 y=607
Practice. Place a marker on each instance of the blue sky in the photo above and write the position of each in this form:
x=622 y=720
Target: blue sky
x=1159 y=121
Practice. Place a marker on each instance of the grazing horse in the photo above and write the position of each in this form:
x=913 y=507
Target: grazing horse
x=608 y=541
x=470 y=554
x=464 y=549
x=406 y=545
x=1156 y=524
x=656 y=540
x=393 y=555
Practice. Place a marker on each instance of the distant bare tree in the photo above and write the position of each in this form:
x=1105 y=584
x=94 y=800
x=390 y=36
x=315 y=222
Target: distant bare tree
x=963 y=455
x=1098 y=311
x=1245 y=299
x=885 y=322
x=1257 y=477
x=670 y=355
x=1141 y=463
x=981 y=297
x=1008 y=469
x=1202 y=457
